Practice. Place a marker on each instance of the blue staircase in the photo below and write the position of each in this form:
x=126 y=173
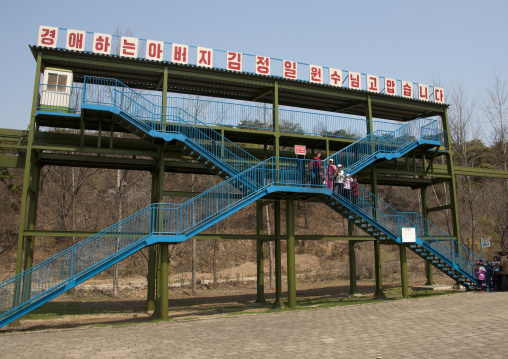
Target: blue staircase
x=247 y=180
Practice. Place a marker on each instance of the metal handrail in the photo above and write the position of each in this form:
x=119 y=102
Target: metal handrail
x=151 y=116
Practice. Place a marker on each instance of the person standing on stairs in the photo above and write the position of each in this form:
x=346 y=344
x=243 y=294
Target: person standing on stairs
x=315 y=168
x=339 y=179
x=330 y=174
x=354 y=189
x=346 y=190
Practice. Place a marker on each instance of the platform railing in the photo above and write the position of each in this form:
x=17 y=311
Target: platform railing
x=110 y=92
x=61 y=99
x=384 y=141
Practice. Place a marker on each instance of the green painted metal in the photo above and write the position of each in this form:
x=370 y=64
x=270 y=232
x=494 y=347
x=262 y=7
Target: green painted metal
x=291 y=271
x=379 y=294
x=352 y=260
x=278 y=260
x=152 y=256
x=260 y=287
x=32 y=214
x=452 y=186
x=425 y=214
x=28 y=163
x=403 y=271
x=164 y=302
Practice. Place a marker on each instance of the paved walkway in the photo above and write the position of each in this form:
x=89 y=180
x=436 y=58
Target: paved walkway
x=466 y=325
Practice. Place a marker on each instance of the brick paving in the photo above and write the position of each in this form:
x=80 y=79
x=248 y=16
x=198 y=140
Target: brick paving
x=466 y=325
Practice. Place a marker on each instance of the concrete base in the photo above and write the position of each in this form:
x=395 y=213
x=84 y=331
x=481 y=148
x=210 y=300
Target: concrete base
x=437 y=287
x=355 y=295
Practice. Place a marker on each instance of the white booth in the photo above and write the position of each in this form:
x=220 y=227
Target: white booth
x=56 y=90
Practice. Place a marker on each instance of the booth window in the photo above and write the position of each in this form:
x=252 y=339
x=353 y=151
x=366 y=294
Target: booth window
x=57 y=82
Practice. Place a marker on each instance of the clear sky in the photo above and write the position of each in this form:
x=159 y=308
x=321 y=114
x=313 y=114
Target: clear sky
x=420 y=41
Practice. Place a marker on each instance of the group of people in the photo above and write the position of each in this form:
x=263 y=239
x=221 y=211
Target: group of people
x=493 y=275
x=334 y=178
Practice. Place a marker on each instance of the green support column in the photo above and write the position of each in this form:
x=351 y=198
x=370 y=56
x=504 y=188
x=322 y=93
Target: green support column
x=32 y=214
x=291 y=272
x=164 y=304
x=260 y=298
x=378 y=270
x=425 y=213
x=352 y=260
x=162 y=279
x=158 y=288
x=278 y=261
x=28 y=164
x=368 y=115
x=276 y=126
x=403 y=271
x=152 y=264
x=453 y=189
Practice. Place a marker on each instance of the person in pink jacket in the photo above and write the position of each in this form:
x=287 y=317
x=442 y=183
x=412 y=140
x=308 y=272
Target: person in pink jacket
x=330 y=174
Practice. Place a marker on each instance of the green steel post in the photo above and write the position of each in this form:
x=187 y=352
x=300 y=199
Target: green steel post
x=260 y=298
x=425 y=213
x=278 y=261
x=379 y=272
x=32 y=214
x=368 y=115
x=150 y=292
x=164 y=98
x=290 y=223
x=403 y=271
x=164 y=304
x=276 y=126
x=28 y=164
x=453 y=189
x=151 y=276
x=158 y=281
x=161 y=277
x=352 y=260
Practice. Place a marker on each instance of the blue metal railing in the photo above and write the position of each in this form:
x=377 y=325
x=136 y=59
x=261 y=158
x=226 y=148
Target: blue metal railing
x=196 y=213
x=192 y=216
x=370 y=206
x=356 y=155
x=110 y=92
x=57 y=98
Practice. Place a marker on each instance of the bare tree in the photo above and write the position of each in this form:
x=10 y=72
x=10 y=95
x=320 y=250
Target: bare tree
x=495 y=109
x=465 y=134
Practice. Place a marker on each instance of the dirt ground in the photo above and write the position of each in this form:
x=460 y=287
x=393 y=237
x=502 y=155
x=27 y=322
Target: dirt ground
x=92 y=304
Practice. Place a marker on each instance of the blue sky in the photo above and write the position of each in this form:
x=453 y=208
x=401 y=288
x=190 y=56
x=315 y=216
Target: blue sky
x=456 y=41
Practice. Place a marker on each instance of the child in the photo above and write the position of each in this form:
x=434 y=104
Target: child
x=480 y=275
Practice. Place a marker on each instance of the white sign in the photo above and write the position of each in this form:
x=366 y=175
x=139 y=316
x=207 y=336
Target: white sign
x=408 y=235
x=262 y=65
x=485 y=242
x=154 y=50
x=128 y=46
x=47 y=36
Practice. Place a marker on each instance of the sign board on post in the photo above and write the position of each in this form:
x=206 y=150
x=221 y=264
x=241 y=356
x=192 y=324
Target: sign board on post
x=485 y=242
x=408 y=235
x=300 y=150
